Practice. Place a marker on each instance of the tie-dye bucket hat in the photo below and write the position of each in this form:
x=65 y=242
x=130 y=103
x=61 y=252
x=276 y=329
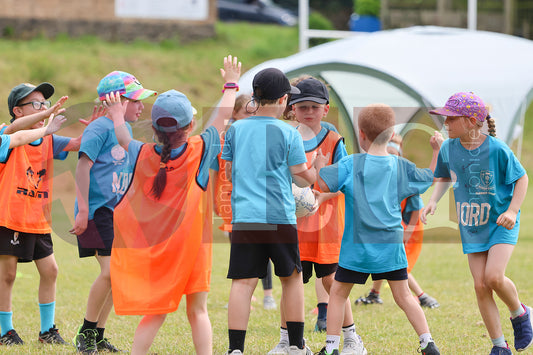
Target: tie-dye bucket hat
x=463 y=104
x=126 y=84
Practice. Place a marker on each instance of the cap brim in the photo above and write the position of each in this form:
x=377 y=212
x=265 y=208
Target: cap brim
x=140 y=94
x=294 y=90
x=46 y=89
x=443 y=111
x=318 y=100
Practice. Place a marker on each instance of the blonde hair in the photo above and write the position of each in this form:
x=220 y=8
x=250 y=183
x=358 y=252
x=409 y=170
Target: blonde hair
x=241 y=101
x=377 y=122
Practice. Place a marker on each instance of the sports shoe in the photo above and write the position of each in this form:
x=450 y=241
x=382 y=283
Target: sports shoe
x=323 y=352
x=498 y=350
x=294 y=350
x=11 y=338
x=430 y=349
x=85 y=342
x=372 y=297
x=523 y=332
x=428 y=301
x=269 y=303
x=281 y=349
x=320 y=325
x=51 y=337
x=105 y=345
x=234 y=352
x=353 y=346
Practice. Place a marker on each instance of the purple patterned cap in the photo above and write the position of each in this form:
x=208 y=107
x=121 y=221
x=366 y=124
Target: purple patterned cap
x=126 y=84
x=463 y=104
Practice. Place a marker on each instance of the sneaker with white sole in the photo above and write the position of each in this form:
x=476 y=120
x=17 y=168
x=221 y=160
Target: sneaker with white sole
x=523 y=331
x=353 y=347
x=52 y=336
x=371 y=298
x=269 y=303
x=428 y=301
x=430 y=349
x=282 y=348
x=11 y=338
x=234 y=352
x=294 y=350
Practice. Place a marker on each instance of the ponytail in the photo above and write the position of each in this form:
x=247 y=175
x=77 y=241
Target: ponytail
x=491 y=123
x=168 y=140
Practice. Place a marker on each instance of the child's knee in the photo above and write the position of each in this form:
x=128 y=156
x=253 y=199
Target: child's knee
x=8 y=278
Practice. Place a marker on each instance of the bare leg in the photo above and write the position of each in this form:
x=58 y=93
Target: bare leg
x=413 y=311
x=146 y=332
x=100 y=291
x=8 y=273
x=414 y=286
x=239 y=302
x=202 y=334
x=48 y=270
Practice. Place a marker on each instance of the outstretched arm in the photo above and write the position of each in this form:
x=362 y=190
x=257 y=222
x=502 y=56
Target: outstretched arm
x=231 y=74
x=435 y=141
x=27 y=136
x=441 y=186
x=83 y=179
x=116 y=110
x=74 y=144
x=26 y=122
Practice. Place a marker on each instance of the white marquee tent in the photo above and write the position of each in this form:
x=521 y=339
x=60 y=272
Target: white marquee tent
x=415 y=68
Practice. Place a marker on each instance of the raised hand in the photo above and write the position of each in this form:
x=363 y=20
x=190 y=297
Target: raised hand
x=232 y=69
x=57 y=109
x=115 y=108
x=54 y=123
x=98 y=111
x=436 y=140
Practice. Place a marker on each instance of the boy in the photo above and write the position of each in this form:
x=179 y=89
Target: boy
x=102 y=176
x=26 y=172
x=263 y=155
x=372 y=240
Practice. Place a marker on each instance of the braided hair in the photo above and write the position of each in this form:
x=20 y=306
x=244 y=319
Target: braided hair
x=169 y=140
x=491 y=123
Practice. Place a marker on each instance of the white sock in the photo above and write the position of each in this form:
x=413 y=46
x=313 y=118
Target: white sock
x=349 y=332
x=332 y=343
x=499 y=342
x=518 y=312
x=425 y=339
x=283 y=335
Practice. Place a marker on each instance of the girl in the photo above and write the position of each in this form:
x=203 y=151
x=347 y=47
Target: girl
x=163 y=227
x=489 y=186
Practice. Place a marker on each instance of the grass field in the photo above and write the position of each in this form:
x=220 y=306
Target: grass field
x=75 y=66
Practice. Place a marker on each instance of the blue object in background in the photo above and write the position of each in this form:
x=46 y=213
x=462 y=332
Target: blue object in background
x=364 y=23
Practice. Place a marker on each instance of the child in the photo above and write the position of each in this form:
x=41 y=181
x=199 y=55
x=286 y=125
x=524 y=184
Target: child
x=320 y=234
x=102 y=177
x=222 y=192
x=162 y=248
x=374 y=184
x=413 y=237
x=26 y=172
x=264 y=154
x=489 y=185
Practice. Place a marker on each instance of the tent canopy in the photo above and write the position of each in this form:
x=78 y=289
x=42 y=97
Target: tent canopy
x=413 y=69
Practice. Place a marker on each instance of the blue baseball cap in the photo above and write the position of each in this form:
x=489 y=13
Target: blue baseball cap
x=172 y=104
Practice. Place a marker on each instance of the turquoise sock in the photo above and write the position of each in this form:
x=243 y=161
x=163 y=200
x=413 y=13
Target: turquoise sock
x=499 y=342
x=47 y=311
x=6 y=322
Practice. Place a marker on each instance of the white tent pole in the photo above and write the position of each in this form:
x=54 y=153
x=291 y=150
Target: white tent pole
x=303 y=23
x=472 y=15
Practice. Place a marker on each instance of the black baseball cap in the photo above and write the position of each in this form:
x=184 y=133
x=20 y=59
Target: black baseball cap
x=22 y=90
x=311 y=89
x=271 y=84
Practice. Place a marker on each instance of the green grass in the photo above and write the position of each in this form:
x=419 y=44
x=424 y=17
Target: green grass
x=75 y=67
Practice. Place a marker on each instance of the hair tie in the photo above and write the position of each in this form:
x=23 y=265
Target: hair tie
x=162 y=165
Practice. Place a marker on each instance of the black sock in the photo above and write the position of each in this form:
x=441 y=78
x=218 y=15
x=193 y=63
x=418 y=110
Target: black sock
x=87 y=325
x=296 y=334
x=322 y=310
x=236 y=339
x=100 y=335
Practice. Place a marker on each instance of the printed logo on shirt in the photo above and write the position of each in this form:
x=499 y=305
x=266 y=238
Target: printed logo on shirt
x=473 y=214
x=487 y=179
x=119 y=155
x=15 y=240
x=34 y=179
x=121 y=182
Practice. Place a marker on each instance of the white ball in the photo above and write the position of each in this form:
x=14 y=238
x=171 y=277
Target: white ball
x=304 y=199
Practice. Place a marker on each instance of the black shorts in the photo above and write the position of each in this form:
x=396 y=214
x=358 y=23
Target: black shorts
x=321 y=270
x=253 y=244
x=25 y=246
x=356 y=277
x=99 y=235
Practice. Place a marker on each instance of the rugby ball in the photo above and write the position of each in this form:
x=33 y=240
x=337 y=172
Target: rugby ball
x=304 y=199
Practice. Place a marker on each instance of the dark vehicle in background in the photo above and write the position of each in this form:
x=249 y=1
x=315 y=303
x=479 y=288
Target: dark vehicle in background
x=255 y=11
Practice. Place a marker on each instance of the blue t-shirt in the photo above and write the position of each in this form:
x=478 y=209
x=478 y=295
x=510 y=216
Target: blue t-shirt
x=112 y=165
x=483 y=190
x=374 y=187
x=211 y=140
x=262 y=149
x=413 y=203
x=4 y=146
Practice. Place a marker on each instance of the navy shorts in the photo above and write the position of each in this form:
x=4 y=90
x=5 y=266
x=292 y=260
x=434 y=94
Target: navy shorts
x=321 y=270
x=356 y=277
x=99 y=235
x=25 y=246
x=253 y=244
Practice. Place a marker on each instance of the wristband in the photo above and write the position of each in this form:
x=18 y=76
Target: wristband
x=230 y=86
